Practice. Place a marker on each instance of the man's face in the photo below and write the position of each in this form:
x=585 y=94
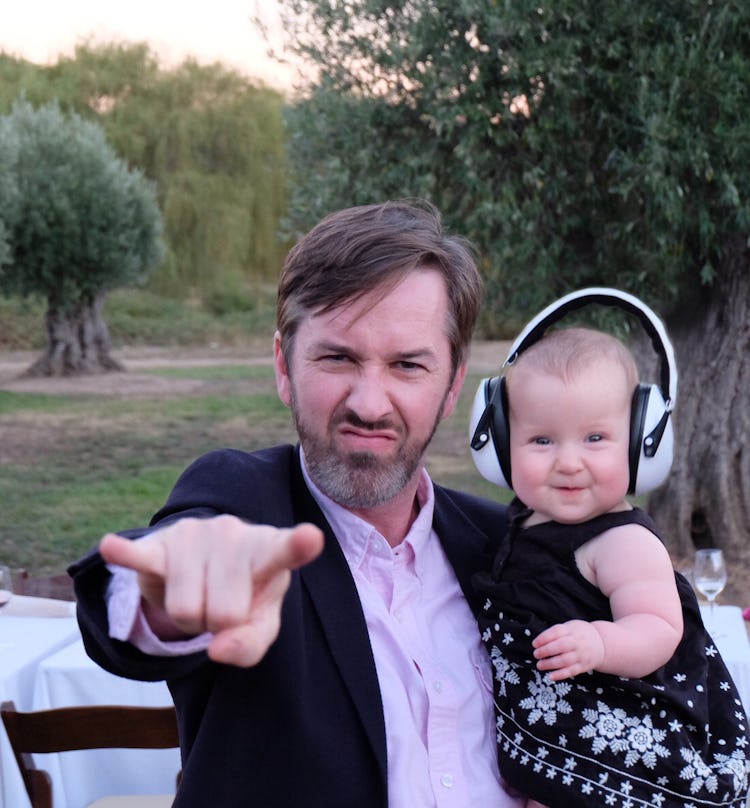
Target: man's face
x=368 y=384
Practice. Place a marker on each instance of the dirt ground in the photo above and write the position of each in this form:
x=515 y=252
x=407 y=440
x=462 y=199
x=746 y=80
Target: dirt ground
x=133 y=382
x=486 y=358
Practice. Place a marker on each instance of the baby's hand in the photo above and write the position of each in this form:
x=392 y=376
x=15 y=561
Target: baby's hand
x=568 y=649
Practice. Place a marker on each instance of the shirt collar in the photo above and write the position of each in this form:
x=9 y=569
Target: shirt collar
x=358 y=537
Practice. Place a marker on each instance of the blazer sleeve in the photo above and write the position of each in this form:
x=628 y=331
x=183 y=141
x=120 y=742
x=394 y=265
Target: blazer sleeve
x=252 y=486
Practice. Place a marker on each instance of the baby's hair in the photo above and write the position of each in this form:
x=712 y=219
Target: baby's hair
x=567 y=352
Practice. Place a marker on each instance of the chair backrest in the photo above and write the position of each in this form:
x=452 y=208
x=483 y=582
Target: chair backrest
x=68 y=728
x=58 y=586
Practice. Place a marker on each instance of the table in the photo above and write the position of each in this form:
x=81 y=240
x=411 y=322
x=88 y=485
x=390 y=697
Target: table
x=727 y=629
x=69 y=678
x=24 y=643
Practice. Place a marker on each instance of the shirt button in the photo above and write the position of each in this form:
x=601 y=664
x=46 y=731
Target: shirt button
x=447 y=780
x=438 y=685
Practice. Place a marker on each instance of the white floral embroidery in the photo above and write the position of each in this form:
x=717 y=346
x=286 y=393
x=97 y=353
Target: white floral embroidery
x=737 y=765
x=636 y=737
x=504 y=671
x=697 y=772
x=546 y=700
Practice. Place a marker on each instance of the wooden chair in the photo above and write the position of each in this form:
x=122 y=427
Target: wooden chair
x=59 y=586
x=99 y=727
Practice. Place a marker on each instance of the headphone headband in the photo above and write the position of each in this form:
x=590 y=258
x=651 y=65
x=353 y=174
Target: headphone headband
x=651 y=441
x=535 y=329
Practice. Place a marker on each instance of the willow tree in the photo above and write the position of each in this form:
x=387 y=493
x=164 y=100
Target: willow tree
x=79 y=224
x=210 y=138
x=577 y=142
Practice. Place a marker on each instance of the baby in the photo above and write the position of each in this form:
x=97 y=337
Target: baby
x=608 y=689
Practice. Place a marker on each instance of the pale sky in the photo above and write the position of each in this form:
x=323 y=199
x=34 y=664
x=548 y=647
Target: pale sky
x=219 y=30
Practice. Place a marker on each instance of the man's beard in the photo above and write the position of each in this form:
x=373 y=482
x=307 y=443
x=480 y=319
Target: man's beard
x=359 y=480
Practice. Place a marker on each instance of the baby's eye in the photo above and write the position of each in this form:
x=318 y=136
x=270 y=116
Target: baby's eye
x=542 y=441
x=595 y=438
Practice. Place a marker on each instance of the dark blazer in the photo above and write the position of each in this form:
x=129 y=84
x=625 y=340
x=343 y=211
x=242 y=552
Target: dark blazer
x=305 y=726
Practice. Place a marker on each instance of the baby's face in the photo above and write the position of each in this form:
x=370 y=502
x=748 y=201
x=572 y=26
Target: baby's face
x=569 y=442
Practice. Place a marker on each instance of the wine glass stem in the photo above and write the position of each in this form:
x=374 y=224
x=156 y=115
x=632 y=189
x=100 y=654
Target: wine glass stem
x=712 y=612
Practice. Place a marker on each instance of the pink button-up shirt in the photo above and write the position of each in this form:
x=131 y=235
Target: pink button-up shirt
x=433 y=670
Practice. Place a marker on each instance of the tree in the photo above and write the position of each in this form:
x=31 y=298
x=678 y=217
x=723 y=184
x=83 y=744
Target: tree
x=81 y=224
x=595 y=142
x=210 y=138
x=8 y=193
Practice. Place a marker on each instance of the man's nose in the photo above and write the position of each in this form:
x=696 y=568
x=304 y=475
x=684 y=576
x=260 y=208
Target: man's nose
x=369 y=397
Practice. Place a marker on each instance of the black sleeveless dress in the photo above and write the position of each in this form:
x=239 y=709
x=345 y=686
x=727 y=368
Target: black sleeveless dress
x=677 y=738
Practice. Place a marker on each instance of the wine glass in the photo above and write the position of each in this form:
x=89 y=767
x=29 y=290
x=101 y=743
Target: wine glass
x=6 y=585
x=710 y=575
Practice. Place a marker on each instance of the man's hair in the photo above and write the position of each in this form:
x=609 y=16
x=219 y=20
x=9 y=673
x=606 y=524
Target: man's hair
x=357 y=250
x=567 y=352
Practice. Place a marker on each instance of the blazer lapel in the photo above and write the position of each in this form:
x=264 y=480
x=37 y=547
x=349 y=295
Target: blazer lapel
x=329 y=582
x=468 y=547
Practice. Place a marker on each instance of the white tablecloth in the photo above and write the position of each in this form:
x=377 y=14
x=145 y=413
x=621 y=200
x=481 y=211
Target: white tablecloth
x=727 y=629
x=70 y=678
x=24 y=643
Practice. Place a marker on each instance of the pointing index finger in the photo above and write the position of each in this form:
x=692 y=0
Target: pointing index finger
x=303 y=544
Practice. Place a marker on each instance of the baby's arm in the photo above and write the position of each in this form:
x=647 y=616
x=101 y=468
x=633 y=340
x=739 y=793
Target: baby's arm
x=633 y=569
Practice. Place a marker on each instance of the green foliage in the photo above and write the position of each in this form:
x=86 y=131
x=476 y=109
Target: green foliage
x=21 y=324
x=8 y=192
x=211 y=139
x=138 y=317
x=81 y=222
x=577 y=143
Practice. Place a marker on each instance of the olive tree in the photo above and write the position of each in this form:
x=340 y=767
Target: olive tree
x=79 y=223
x=595 y=142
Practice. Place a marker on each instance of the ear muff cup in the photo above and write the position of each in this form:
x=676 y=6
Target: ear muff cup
x=638 y=409
x=648 y=415
x=490 y=441
x=651 y=440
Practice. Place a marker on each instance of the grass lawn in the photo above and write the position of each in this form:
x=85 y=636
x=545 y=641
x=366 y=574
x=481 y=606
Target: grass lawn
x=74 y=466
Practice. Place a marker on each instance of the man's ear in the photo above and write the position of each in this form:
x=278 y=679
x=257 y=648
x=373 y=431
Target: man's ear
x=449 y=405
x=283 y=384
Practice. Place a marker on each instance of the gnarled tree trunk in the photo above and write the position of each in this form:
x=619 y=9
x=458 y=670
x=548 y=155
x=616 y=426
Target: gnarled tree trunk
x=77 y=341
x=706 y=500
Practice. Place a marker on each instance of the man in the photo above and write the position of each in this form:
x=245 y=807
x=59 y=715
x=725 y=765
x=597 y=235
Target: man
x=308 y=606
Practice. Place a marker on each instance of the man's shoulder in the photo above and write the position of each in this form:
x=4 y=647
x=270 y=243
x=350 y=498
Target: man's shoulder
x=262 y=461
x=487 y=515
x=255 y=486
x=470 y=529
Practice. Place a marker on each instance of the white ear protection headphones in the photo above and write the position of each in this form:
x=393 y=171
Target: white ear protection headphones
x=651 y=435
